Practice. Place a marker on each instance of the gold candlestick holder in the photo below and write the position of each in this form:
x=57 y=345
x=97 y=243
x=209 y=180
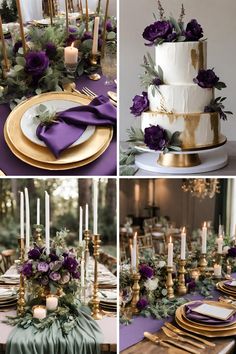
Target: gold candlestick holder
x=203 y=263
x=182 y=289
x=94 y=62
x=86 y=257
x=136 y=291
x=219 y=258
x=21 y=298
x=38 y=235
x=169 y=283
x=96 y=314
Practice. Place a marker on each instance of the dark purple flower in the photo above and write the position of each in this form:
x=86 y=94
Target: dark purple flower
x=155 y=137
x=55 y=276
x=53 y=257
x=51 y=50
x=34 y=253
x=76 y=275
x=109 y=26
x=100 y=41
x=36 y=63
x=193 y=31
x=232 y=252
x=140 y=104
x=171 y=37
x=142 y=304
x=27 y=269
x=146 y=271
x=158 y=30
x=44 y=280
x=71 y=264
x=157 y=81
x=43 y=267
x=192 y=285
x=87 y=35
x=206 y=78
x=70 y=39
x=17 y=46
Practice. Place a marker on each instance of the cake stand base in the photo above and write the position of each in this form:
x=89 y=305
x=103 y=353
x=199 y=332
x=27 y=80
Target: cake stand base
x=210 y=160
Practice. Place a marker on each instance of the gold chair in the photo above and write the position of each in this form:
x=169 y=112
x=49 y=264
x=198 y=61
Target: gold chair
x=145 y=242
x=8 y=258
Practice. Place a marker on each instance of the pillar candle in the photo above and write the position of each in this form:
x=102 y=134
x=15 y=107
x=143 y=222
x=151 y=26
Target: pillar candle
x=217 y=270
x=204 y=239
x=71 y=54
x=80 y=224
x=95 y=35
x=52 y=302
x=87 y=15
x=22 y=215
x=220 y=244
x=183 y=244
x=86 y=217
x=95 y=206
x=39 y=312
x=47 y=222
x=27 y=221
x=170 y=254
x=82 y=273
x=21 y=26
x=4 y=51
x=38 y=211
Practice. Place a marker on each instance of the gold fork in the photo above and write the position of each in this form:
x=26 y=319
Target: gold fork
x=89 y=92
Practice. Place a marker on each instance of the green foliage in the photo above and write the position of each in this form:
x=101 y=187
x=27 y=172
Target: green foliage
x=148 y=78
x=163 y=308
x=216 y=105
x=44 y=115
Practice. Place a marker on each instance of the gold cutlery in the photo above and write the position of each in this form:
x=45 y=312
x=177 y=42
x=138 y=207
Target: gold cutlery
x=169 y=342
x=173 y=335
x=92 y=94
x=72 y=88
x=183 y=333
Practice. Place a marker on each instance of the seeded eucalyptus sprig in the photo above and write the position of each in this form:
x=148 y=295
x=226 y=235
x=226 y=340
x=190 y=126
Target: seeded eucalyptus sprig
x=45 y=116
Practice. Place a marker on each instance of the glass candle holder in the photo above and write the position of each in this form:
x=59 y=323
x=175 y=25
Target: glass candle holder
x=52 y=302
x=40 y=312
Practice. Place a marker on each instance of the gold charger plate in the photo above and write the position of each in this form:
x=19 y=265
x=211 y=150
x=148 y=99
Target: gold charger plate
x=42 y=154
x=225 y=290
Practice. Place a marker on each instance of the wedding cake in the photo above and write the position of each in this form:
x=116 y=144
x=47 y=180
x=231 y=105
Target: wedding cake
x=180 y=98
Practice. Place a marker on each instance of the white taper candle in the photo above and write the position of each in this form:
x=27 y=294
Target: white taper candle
x=86 y=217
x=27 y=221
x=204 y=239
x=183 y=244
x=47 y=223
x=95 y=35
x=22 y=215
x=38 y=212
x=95 y=206
x=80 y=224
x=170 y=254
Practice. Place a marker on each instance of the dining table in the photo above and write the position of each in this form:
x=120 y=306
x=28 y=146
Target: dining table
x=105 y=165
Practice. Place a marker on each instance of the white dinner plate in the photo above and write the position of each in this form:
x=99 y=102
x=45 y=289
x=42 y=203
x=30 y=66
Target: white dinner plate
x=29 y=122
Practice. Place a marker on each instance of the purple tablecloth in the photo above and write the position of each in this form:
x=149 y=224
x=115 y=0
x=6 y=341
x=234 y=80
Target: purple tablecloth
x=105 y=165
x=133 y=333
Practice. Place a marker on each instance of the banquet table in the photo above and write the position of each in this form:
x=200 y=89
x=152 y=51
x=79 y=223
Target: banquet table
x=132 y=339
x=105 y=165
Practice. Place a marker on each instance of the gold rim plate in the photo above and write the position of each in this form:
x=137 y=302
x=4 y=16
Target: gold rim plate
x=42 y=154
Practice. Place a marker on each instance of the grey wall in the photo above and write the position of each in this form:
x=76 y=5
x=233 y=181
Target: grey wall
x=217 y=18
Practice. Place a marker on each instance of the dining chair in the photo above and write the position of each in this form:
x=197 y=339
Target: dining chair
x=8 y=258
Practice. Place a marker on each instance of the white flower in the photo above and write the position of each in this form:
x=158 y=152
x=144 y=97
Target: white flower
x=151 y=284
x=161 y=264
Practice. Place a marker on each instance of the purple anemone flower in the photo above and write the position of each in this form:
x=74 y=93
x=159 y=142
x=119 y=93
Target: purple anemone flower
x=146 y=271
x=155 y=137
x=36 y=63
x=140 y=104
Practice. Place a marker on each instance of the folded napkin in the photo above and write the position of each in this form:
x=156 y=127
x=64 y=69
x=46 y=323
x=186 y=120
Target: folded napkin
x=197 y=317
x=72 y=123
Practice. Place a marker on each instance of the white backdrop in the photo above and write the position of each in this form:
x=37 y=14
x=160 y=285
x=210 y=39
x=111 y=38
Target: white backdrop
x=93 y=4
x=217 y=18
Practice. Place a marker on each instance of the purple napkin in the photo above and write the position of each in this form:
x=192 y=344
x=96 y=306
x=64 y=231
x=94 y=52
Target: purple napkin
x=197 y=317
x=72 y=123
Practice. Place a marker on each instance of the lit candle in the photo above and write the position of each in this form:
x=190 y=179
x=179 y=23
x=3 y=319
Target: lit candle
x=95 y=206
x=39 y=312
x=87 y=15
x=86 y=217
x=220 y=244
x=21 y=215
x=204 y=239
x=170 y=254
x=150 y=192
x=4 y=51
x=82 y=273
x=27 y=221
x=136 y=198
x=217 y=270
x=52 y=302
x=21 y=25
x=220 y=230
x=95 y=35
x=183 y=244
x=80 y=224
x=47 y=223
x=38 y=211
x=71 y=54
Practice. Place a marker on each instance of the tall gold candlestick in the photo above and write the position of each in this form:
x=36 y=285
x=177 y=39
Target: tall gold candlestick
x=182 y=290
x=136 y=291
x=203 y=263
x=104 y=28
x=4 y=50
x=51 y=11
x=87 y=15
x=67 y=17
x=21 y=297
x=87 y=239
x=21 y=26
x=96 y=314
x=169 y=283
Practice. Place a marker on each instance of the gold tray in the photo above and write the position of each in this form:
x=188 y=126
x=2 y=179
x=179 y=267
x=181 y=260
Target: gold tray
x=14 y=135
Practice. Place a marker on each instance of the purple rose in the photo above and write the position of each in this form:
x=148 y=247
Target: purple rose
x=158 y=30
x=51 y=50
x=43 y=267
x=17 y=46
x=142 y=304
x=53 y=257
x=206 y=78
x=55 y=276
x=36 y=63
x=71 y=264
x=193 y=31
x=44 y=280
x=232 y=252
x=140 y=104
x=27 y=270
x=34 y=253
x=192 y=285
x=157 y=81
x=155 y=137
x=146 y=271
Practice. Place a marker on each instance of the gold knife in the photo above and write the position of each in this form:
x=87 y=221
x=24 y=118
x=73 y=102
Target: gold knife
x=155 y=339
x=173 y=335
x=183 y=333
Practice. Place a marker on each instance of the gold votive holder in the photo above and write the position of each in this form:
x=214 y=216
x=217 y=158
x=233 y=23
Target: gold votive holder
x=39 y=312
x=170 y=283
x=51 y=302
x=136 y=293
x=203 y=263
x=182 y=289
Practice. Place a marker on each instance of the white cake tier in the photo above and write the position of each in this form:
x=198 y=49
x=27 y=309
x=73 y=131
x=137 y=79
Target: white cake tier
x=181 y=61
x=179 y=98
x=197 y=129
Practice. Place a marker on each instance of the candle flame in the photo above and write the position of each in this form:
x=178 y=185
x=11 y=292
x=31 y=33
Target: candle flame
x=135 y=235
x=170 y=239
x=184 y=230
x=73 y=44
x=205 y=224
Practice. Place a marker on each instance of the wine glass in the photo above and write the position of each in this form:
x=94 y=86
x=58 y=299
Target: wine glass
x=108 y=64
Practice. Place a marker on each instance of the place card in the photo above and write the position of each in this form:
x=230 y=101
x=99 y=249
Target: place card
x=221 y=313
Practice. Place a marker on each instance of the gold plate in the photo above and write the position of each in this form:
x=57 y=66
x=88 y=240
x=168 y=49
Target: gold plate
x=224 y=290
x=51 y=167
x=41 y=154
